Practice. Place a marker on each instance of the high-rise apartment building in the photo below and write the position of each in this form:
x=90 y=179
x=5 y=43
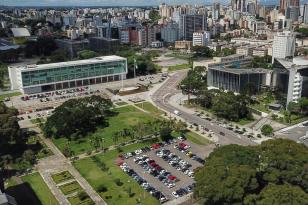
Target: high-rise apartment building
x=201 y=38
x=283 y=45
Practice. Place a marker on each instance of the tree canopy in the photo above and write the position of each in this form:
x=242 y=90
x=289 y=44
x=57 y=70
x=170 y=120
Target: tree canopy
x=261 y=174
x=77 y=117
x=9 y=128
x=86 y=54
x=267 y=130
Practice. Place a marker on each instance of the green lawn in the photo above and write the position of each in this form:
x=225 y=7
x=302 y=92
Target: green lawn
x=147 y=106
x=121 y=103
x=37 y=120
x=261 y=107
x=179 y=67
x=70 y=188
x=2 y=96
x=115 y=194
x=193 y=137
x=197 y=139
x=61 y=177
x=74 y=200
x=244 y=122
x=41 y=189
x=127 y=117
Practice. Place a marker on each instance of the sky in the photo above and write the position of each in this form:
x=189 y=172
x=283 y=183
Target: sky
x=104 y=2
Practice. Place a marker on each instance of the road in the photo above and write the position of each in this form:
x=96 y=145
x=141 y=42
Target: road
x=295 y=133
x=162 y=96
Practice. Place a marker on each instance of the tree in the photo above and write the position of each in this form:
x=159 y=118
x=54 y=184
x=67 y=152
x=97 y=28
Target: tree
x=260 y=174
x=294 y=107
x=10 y=133
x=202 y=51
x=267 y=130
x=29 y=156
x=278 y=195
x=193 y=81
x=86 y=54
x=95 y=142
x=303 y=104
x=77 y=116
x=165 y=133
x=180 y=126
x=230 y=106
x=154 y=16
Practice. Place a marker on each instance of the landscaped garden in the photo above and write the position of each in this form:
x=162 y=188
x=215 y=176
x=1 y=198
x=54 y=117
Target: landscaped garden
x=71 y=187
x=81 y=198
x=61 y=177
x=110 y=181
x=40 y=188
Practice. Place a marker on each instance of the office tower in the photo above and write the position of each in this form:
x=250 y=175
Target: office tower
x=191 y=23
x=283 y=45
x=251 y=8
x=292 y=13
x=305 y=14
x=284 y=4
x=201 y=38
x=170 y=33
x=215 y=11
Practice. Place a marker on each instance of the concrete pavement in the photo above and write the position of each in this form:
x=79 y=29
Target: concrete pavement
x=58 y=163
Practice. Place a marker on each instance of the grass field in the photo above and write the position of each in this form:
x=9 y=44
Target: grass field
x=127 y=117
x=115 y=194
x=121 y=103
x=178 y=67
x=3 y=96
x=61 y=177
x=147 y=106
x=244 y=122
x=70 y=188
x=41 y=189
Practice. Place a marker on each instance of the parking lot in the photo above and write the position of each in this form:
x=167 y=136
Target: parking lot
x=166 y=170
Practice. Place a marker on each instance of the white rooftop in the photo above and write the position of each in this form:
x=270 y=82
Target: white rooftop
x=101 y=59
x=20 y=32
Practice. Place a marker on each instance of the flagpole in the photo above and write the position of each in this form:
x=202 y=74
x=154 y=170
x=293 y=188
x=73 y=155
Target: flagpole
x=135 y=64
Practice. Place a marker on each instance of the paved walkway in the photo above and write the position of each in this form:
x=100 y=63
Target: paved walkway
x=58 y=163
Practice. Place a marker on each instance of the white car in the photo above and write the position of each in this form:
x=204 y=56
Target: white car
x=170 y=186
x=175 y=194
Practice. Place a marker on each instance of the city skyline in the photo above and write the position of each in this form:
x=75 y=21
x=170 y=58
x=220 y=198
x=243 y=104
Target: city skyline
x=116 y=2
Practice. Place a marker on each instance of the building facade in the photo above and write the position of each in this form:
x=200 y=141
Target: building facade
x=290 y=77
x=191 y=23
x=236 y=80
x=283 y=45
x=56 y=76
x=201 y=38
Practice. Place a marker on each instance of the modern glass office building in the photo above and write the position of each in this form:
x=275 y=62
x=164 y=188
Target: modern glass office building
x=56 y=76
x=236 y=80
